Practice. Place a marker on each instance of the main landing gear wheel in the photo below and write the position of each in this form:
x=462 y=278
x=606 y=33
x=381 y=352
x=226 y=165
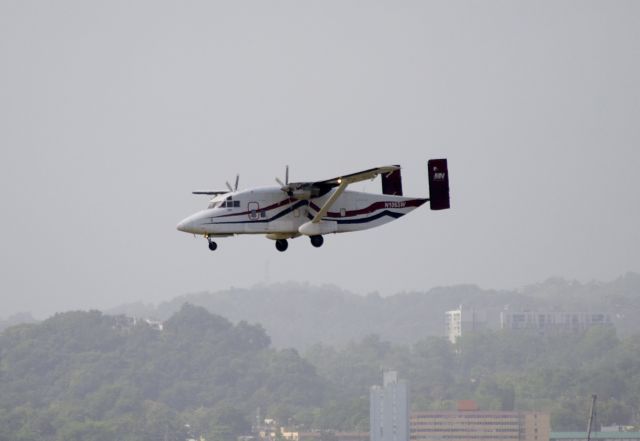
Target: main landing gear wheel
x=317 y=241
x=282 y=244
x=212 y=245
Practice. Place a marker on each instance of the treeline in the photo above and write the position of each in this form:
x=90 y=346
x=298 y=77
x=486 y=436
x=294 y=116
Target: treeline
x=501 y=371
x=16 y=319
x=330 y=315
x=90 y=376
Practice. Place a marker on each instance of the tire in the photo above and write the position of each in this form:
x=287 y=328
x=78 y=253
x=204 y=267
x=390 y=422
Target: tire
x=213 y=245
x=317 y=241
x=282 y=245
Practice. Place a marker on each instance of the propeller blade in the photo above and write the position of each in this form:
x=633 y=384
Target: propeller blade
x=280 y=182
x=237 y=180
x=286 y=174
x=229 y=186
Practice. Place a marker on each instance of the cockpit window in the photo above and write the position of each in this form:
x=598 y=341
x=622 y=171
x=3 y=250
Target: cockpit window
x=216 y=204
x=227 y=203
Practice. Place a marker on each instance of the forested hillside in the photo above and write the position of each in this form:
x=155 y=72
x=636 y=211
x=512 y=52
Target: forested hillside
x=84 y=375
x=299 y=315
x=16 y=319
x=88 y=376
x=500 y=371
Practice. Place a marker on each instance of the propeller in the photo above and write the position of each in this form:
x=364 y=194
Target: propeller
x=234 y=188
x=284 y=185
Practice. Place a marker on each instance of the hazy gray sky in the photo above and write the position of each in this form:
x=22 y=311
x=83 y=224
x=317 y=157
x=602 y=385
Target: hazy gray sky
x=112 y=112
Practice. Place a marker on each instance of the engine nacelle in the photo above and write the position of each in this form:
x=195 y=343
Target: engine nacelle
x=301 y=194
x=318 y=229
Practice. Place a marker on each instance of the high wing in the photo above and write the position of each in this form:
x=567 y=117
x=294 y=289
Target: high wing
x=314 y=189
x=307 y=190
x=211 y=192
x=219 y=192
x=359 y=176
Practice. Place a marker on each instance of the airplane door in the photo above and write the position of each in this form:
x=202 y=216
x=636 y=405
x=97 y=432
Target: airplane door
x=253 y=209
x=257 y=216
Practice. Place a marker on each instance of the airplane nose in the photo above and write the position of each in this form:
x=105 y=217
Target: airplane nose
x=182 y=226
x=191 y=224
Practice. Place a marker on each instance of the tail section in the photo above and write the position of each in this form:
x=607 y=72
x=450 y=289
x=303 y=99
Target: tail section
x=438 y=184
x=392 y=183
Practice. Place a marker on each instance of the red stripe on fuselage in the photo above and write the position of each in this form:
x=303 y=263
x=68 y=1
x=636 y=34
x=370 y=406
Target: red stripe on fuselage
x=373 y=207
x=270 y=207
x=350 y=213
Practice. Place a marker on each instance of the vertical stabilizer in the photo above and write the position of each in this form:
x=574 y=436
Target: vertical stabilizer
x=438 y=184
x=392 y=183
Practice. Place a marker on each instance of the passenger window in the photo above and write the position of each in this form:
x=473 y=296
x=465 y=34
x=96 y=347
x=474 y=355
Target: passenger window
x=263 y=214
x=236 y=204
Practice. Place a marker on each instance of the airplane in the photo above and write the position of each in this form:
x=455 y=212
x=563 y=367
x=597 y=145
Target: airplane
x=314 y=208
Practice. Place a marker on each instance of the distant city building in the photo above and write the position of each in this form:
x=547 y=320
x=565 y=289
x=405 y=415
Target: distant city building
x=125 y=323
x=551 y=322
x=269 y=430
x=317 y=436
x=617 y=428
x=351 y=436
x=389 y=409
x=459 y=321
x=468 y=423
x=600 y=436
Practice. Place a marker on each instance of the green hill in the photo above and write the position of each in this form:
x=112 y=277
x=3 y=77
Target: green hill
x=85 y=375
x=300 y=315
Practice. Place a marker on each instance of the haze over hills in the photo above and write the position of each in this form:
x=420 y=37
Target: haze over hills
x=300 y=315
x=87 y=376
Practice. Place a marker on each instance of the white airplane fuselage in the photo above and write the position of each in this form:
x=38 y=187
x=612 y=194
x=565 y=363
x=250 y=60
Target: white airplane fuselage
x=270 y=211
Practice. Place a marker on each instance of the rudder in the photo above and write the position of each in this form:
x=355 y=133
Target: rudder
x=438 y=184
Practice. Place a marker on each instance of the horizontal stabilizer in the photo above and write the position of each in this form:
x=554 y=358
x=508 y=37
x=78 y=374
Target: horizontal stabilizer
x=438 y=184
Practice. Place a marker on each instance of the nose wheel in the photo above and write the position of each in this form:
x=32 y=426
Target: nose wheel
x=282 y=245
x=212 y=245
x=317 y=241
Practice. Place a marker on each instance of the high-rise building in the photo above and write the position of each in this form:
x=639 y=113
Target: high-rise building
x=470 y=424
x=459 y=321
x=389 y=409
x=550 y=322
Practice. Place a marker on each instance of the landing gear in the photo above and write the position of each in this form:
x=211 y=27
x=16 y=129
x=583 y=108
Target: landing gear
x=282 y=245
x=317 y=241
x=212 y=245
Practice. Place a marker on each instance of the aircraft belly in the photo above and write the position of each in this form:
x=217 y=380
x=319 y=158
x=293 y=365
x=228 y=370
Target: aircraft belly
x=286 y=224
x=218 y=228
x=255 y=227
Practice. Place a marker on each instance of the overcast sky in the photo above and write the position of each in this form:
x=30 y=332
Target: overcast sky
x=112 y=112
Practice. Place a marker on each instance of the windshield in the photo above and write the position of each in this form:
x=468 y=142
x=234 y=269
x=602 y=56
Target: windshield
x=227 y=203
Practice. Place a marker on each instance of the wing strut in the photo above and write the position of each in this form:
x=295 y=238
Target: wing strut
x=336 y=194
